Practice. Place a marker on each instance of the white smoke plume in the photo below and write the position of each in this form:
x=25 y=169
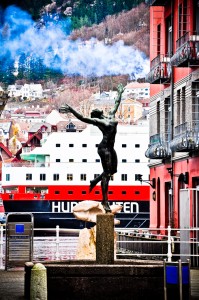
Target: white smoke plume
x=19 y=34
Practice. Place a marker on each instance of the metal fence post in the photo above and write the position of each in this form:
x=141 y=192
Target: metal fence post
x=57 y=243
x=1 y=247
x=169 y=253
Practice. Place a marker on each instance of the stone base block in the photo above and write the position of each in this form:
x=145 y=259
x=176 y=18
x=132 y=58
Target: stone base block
x=87 y=280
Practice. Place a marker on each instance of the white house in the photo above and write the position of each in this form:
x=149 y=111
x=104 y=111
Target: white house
x=29 y=91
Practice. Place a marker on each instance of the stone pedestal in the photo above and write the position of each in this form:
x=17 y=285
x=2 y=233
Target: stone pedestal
x=105 y=239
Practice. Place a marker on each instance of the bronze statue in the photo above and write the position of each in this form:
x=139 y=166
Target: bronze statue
x=108 y=127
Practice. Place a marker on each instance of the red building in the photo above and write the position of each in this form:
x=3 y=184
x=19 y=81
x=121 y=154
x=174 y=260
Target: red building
x=174 y=113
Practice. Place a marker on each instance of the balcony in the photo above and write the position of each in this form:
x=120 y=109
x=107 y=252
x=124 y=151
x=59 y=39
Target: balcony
x=186 y=137
x=158 y=147
x=158 y=2
x=160 y=70
x=187 y=53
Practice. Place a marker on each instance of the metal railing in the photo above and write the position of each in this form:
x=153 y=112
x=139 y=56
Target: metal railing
x=61 y=244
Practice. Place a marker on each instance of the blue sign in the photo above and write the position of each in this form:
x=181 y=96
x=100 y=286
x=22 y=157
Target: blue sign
x=172 y=274
x=19 y=228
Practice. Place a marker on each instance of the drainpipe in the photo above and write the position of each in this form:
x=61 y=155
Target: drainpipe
x=171 y=194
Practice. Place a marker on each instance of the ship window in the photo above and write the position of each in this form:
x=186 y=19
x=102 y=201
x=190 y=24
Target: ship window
x=28 y=176
x=70 y=192
x=137 y=192
x=42 y=177
x=137 y=177
x=57 y=192
x=123 y=192
x=58 y=145
x=110 y=192
x=69 y=177
x=124 y=160
x=84 y=145
x=7 y=177
x=71 y=145
x=97 y=192
x=97 y=160
x=83 y=177
x=123 y=145
x=83 y=192
x=111 y=177
x=58 y=160
x=137 y=160
x=96 y=175
x=71 y=160
x=96 y=145
x=124 y=177
x=84 y=160
x=137 y=145
x=55 y=177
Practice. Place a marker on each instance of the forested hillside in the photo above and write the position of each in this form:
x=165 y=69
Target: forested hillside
x=81 y=11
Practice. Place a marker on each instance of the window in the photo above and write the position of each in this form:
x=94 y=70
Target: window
x=83 y=192
x=71 y=145
x=84 y=160
x=96 y=175
x=57 y=192
x=96 y=145
x=84 y=145
x=123 y=145
x=57 y=160
x=137 y=160
x=124 y=160
x=97 y=160
x=137 y=145
x=137 y=177
x=7 y=177
x=28 y=176
x=112 y=177
x=97 y=192
x=83 y=177
x=42 y=177
x=158 y=116
x=71 y=160
x=70 y=192
x=110 y=192
x=55 y=177
x=124 y=177
x=158 y=38
x=137 y=192
x=123 y=192
x=69 y=177
x=58 y=145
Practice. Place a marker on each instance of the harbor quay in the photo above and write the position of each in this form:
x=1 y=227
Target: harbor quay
x=12 y=284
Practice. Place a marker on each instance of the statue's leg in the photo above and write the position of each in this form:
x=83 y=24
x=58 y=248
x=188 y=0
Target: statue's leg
x=95 y=181
x=104 y=186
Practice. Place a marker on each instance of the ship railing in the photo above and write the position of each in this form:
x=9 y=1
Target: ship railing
x=158 y=244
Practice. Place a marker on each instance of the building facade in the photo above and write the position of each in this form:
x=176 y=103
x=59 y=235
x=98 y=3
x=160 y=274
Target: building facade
x=174 y=113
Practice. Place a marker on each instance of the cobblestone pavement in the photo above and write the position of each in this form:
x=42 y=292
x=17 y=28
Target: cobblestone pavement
x=12 y=284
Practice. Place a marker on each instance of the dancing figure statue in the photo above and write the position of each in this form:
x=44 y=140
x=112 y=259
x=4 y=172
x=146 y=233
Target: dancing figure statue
x=106 y=151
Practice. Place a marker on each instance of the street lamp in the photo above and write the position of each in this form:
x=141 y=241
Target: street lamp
x=150 y=182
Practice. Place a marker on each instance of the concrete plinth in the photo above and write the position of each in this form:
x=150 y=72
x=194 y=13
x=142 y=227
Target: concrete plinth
x=86 y=280
x=105 y=239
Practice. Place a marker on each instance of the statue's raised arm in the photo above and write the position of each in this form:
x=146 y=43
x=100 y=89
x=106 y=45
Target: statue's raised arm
x=120 y=90
x=65 y=108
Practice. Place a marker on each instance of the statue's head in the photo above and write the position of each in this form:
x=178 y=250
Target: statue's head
x=96 y=113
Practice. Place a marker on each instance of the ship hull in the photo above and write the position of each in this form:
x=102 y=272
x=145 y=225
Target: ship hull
x=49 y=214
